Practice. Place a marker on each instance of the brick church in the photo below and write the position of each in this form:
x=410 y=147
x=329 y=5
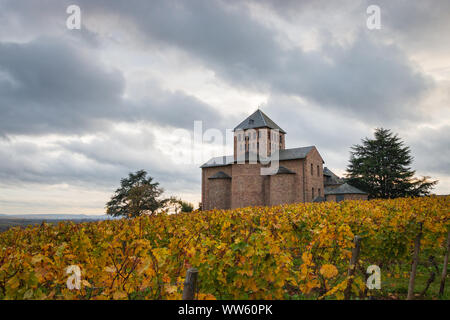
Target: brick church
x=249 y=177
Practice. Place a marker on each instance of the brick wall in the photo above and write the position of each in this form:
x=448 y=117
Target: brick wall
x=282 y=189
x=219 y=194
x=247 y=185
x=314 y=177
x=208 y=196
x=297 y=186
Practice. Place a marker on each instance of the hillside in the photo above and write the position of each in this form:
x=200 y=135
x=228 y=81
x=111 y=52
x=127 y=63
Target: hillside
x=297 y=251
x=23 y=220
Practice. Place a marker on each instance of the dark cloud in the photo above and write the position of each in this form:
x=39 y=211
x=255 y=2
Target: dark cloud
x=367 y=79
x=47 y=86
x=52 y=87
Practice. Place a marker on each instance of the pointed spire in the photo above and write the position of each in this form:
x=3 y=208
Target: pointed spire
x=258 y=119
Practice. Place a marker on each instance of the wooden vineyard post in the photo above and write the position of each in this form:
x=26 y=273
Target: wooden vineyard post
x=444 y=268
x=352 y=267
x=412 y=276
x=190 y=284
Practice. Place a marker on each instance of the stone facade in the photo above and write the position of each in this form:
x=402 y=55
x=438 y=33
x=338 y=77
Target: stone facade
x=235 y=182
x=216 y=193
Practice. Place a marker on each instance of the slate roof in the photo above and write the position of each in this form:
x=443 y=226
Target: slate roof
x=343 y=189
x=218 y=162
x=284 y=154
x=284 y=170
x=331 y=178
x=220 y=175
x=295 y=153
x=327 y=172
x=319 y=199
x=258 y=119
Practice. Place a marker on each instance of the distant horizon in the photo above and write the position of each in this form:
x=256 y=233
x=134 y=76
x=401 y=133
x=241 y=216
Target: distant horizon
x=52 y=214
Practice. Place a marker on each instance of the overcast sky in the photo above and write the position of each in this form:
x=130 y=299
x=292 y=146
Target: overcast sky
x=79 y=109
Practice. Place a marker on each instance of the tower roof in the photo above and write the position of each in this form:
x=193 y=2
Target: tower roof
x=258 y=119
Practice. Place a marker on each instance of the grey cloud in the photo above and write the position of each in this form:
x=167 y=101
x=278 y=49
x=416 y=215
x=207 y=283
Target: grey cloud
x=430 y=148
x=25 y=162
x=307 y=125
x=47 y=86
x=418 y=24
x=367 y=79
x=100 y=162
x=334 y=135
x=411 y=24
x=136 y=152
x=54 y=87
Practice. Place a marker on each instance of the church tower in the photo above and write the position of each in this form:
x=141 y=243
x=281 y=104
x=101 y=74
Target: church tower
x=258 y=134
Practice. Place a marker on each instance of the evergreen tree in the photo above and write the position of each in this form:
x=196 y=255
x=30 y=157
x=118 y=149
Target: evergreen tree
x=381 y=167
x=137 y=195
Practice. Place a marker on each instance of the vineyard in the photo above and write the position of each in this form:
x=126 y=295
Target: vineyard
x=299 y=251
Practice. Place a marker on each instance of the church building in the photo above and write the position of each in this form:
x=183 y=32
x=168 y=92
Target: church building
x=262 y=172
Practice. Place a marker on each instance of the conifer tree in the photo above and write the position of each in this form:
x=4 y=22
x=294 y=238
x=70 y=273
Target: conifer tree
x=382 y=168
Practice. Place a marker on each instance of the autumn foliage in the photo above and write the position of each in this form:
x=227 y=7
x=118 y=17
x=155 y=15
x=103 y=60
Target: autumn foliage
x=300 y=250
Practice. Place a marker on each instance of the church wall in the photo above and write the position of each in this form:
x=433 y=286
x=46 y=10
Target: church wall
x=313 y=180
x=219 y=194
x=247 y=186
x=282 y=189
x=297 y=187
x=208 y=198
